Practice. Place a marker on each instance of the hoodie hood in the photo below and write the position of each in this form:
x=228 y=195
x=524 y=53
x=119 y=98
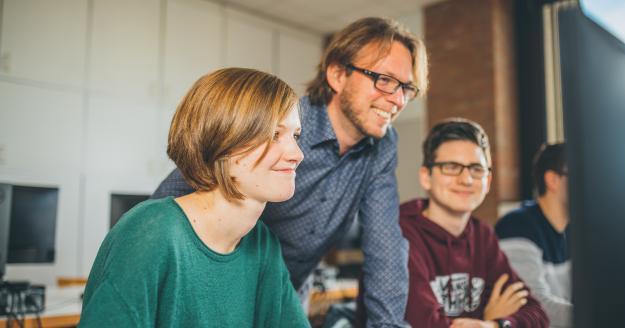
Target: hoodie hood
x=413 y=213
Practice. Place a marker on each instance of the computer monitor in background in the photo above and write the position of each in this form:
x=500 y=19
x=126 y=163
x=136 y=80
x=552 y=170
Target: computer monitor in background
x=593 y=87
x=122 y=203
x=32 y=229
x=5 y=219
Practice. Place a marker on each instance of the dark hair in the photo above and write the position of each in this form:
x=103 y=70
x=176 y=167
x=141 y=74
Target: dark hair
x=227 y=112
x=550 y=157
x=450 y=130
x=346 y=45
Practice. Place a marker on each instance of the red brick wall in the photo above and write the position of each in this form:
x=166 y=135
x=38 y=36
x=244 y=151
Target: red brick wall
x=472 y=75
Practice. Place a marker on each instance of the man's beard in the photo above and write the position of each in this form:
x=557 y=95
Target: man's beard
x=345 y=105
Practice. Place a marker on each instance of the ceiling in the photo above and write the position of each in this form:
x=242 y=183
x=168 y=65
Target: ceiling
x=325 y=16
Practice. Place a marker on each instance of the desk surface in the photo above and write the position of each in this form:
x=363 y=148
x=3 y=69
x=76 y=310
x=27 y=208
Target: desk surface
x=336 y=290
x=63 y=306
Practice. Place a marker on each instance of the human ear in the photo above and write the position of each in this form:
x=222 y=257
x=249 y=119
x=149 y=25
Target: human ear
x=551 y=180
x=425 y=178
x=336 y=76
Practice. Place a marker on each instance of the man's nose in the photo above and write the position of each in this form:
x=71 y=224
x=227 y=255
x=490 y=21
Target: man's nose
x=398 y=98
x=465 y=176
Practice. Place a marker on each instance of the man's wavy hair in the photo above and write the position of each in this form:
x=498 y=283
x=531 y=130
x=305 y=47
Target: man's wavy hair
x=346 y=45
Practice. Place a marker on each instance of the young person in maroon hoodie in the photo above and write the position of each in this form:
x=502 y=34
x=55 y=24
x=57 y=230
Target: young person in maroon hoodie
x=458 y=275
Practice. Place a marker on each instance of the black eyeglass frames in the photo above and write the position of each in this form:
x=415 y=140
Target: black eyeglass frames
x=477 y=171
x=387 y=83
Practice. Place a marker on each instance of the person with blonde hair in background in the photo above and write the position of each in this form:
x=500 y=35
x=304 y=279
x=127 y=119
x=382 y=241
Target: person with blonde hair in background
x=204 y=259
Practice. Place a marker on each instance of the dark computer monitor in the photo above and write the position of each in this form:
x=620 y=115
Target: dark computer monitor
x=122 y=203
x=32 y=228
x=593 y=90
x=5 y=220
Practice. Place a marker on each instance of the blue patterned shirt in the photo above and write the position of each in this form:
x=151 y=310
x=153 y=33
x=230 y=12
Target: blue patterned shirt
x=330 y=190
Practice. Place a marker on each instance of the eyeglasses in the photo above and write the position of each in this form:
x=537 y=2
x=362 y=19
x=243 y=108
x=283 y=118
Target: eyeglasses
x=477 y=171
x=387 y=83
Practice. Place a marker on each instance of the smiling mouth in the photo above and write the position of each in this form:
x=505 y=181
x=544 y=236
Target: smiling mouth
x=286 y=171
x=383 y=114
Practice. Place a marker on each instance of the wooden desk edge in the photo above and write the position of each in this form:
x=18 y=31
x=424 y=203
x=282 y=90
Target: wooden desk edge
x=55 y=321
x=335 y=294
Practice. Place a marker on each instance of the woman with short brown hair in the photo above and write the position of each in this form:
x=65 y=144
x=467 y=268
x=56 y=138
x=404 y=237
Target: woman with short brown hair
x=204 y=259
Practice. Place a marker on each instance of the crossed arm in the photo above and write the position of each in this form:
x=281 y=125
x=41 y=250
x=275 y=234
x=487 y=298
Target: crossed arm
x=507 y=297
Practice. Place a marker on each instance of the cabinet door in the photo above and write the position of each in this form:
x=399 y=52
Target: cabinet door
x=44 y=41
x=125 y=49
x=121 y=137
x=193 y=46
x=249 y=42
x=40 y=129
x=299 y=55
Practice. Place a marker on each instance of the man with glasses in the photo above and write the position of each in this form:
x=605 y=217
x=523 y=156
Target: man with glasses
x=367 y=75
x=534 y=237
x=458 y=275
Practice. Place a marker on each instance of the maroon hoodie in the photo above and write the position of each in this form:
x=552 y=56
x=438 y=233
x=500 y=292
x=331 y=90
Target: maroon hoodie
x=443 y=269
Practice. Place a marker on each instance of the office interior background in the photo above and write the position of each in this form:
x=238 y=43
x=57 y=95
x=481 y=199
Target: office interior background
x=88 y=89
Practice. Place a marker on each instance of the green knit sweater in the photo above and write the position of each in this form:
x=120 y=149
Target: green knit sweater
x=152 y=270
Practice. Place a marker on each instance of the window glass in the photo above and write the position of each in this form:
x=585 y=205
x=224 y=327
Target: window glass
x=609 y=14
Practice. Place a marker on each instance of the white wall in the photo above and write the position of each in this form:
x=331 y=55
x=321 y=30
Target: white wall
x=88 y=88
x=411 y=135
x=411 y=126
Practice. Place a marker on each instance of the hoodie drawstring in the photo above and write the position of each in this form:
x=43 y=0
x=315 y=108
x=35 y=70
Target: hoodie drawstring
x=449 y=270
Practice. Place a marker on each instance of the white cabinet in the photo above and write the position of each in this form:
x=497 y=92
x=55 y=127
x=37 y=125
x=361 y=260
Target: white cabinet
x=249 y=42
x=121 y=137
x=40 y=129
x=299 y=55
x=124 y=49
x=44 y=40
x=193 y=46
